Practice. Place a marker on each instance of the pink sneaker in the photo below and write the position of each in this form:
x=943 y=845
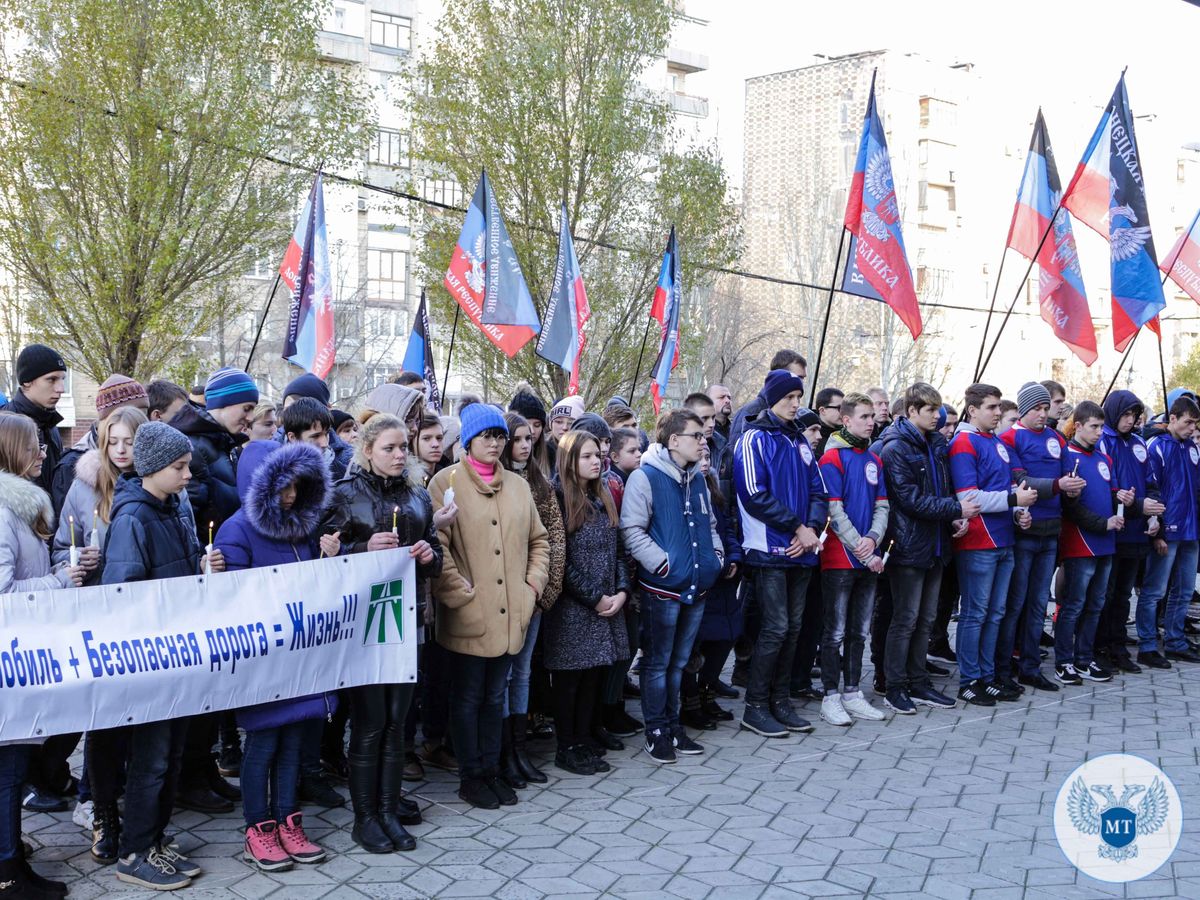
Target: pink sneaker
x=295 y=842
x=263 y=847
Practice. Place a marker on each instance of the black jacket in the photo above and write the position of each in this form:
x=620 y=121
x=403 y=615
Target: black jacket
x=47 y=424
x=213 y=489
x=148 y=538
x=920 y=495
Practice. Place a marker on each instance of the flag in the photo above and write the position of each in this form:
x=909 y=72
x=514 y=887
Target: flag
x=873 y=219
x=305 y=270
x=1063 y=299
x=485 y=278
x=668 y=295
x=1108 y=195
x=1182 y=264
x=418 y=356
x=562 y=338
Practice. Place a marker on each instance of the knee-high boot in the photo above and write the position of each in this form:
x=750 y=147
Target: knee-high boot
x=531 y=773
x=368 y=830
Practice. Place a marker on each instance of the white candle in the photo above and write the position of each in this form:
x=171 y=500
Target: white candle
x=94 y=541
x=448 y=497
x=74 y=556
x=207 y=565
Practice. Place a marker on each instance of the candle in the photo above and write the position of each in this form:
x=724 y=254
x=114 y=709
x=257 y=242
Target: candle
x=395 y=527
x=95 y=540
x=448 y=497
x=1120 y=510
x=71 y=520
x=210 y=531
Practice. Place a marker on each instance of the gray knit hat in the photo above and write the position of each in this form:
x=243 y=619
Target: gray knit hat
x=156 y=445
x=1029 y=396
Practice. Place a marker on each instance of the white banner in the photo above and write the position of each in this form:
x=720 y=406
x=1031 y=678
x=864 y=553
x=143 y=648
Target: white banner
x=98 y=657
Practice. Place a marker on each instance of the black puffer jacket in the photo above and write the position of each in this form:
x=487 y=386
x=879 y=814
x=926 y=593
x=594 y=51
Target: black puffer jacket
x=213 y=489
x=148 y=538
x=47 y=421
x=363 y=503
x=920 y=495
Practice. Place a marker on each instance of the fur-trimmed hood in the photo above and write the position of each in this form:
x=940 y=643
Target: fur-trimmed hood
x=24 y=499
x=271 y=468
x=87 y=468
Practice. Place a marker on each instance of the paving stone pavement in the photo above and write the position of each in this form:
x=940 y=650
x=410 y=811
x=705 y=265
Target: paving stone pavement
x=945 y=804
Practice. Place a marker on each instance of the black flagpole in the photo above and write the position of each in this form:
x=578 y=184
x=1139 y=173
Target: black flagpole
x=991 y=307
x=837 y=262
x=638 y=371
x=449 y=354
x=262 y=322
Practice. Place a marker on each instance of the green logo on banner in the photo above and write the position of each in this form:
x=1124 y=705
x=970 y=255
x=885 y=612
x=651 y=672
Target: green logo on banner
x=385 y=615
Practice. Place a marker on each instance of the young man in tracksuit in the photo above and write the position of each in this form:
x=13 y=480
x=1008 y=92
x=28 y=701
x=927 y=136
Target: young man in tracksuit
x=1090 y=525
x=1048 y=470
x=922 y=513
x=983 y=470
x=851 y=559
x=781 y=503
x=1131 y=468
x=1175 y=471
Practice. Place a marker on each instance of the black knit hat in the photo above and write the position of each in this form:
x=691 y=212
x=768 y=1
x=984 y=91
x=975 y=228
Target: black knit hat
x=593 y=425
x=527 y=404
x=806 y=418
x=37 y=360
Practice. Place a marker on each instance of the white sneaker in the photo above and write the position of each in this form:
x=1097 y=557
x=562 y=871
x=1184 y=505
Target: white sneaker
x=858 y=706
x=832 y=710
x=83 y=816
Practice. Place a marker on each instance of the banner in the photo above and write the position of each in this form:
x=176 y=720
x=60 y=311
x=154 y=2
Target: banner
x=309 y=342
x=125 y=654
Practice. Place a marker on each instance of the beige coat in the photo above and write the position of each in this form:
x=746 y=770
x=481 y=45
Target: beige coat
x=496 y=544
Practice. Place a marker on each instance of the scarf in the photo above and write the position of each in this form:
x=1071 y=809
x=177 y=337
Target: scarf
x=855 y=442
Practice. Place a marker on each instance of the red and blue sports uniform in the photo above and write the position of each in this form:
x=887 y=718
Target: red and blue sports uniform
x=853 y=478
x=983 y=469
x=1085 y=521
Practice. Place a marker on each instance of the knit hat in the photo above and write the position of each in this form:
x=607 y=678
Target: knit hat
x=593 y=425
x=570 y=407
x=943 y=416
x=118 y=391
x=340 y=418
x=37 y=360
x=806 y=419
x=779 y=383
x=307 y=385
x=228 y=387
x=1029 y=396
x=529 y=405
x=477 y=418
x=156 y=445
x=451 y=428
x=393 y=399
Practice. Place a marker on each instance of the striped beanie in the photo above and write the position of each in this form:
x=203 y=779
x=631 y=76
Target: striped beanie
x=228 y=387
x=118 y=391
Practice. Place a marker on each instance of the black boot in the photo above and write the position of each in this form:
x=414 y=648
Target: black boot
x=368 y=831
x=106 y=833
x=37 y=882
x=508 y=764
x=531 y=773
x=391 y=777
x=16 y=884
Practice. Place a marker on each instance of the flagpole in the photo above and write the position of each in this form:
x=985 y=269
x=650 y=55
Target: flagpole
x=991 y=307
x=262 y=321
x=837 y=261
x=449 y=354
x=638 y=371
x=1017 y=295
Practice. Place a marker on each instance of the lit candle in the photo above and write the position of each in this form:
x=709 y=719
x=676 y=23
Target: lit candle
x=208 y=550
x=74 y=549
x=210 y=531
x=95 y=541
x=448 y=497
x=395 y=527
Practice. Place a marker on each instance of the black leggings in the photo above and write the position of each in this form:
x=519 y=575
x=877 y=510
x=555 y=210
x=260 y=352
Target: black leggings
x=377 y=713
x=575 y=692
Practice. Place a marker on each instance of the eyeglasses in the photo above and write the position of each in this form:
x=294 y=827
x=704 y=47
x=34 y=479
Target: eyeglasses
x=697 y=436
x=831 y=406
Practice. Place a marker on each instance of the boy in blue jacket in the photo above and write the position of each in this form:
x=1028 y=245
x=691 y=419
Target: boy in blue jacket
x=1175 y=472
x=153 y=536
x=781 y=503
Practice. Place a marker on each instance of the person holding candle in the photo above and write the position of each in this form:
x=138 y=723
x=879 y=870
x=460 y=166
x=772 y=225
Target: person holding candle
x=151 y=536
x=25 y=527
x=378 y=507
x=496 y=567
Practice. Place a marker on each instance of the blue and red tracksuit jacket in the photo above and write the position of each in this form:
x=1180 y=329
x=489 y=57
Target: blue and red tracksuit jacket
x=855 y=478
x=1175 y=472
x=1085 y=518
x=983 y=469
x=1044 y=456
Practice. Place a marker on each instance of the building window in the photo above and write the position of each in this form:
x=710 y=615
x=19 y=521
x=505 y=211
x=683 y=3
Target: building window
x=937 y=113
x=444 y=190
x=387 y=276
x=394 y=32
x=390 y=148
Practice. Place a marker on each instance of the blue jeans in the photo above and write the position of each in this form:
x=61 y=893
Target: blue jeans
x=477 y=688
x=155 y=759
x=14 y=764
x=1025 y=610
x=271 y=762
x=669 y=630
x=1177 y=571
x=983 y=577
x=516 y=698
x=782 y=594
x=1086 y=580
x=849 y=598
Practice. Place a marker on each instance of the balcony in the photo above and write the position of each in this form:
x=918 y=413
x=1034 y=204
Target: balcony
x=686 y=61
x=342 y=48
x=688 y=106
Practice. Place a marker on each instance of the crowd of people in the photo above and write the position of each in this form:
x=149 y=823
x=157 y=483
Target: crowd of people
x=557 y=549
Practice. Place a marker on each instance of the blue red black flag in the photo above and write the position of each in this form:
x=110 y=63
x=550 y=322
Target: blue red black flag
x=305 y=270
x=418 y=356
x=562 y=338
x=668 y=296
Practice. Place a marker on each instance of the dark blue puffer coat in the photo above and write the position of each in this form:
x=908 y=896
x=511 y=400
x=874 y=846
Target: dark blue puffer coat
x=149 y=538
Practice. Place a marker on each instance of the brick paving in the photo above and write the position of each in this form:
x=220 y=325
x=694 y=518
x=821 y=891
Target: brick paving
x=945 y=804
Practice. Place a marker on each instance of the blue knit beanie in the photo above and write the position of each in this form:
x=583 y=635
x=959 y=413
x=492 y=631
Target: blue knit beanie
x=307 y=385
x=477 y=418
x=229 y=387
x=779 y=383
